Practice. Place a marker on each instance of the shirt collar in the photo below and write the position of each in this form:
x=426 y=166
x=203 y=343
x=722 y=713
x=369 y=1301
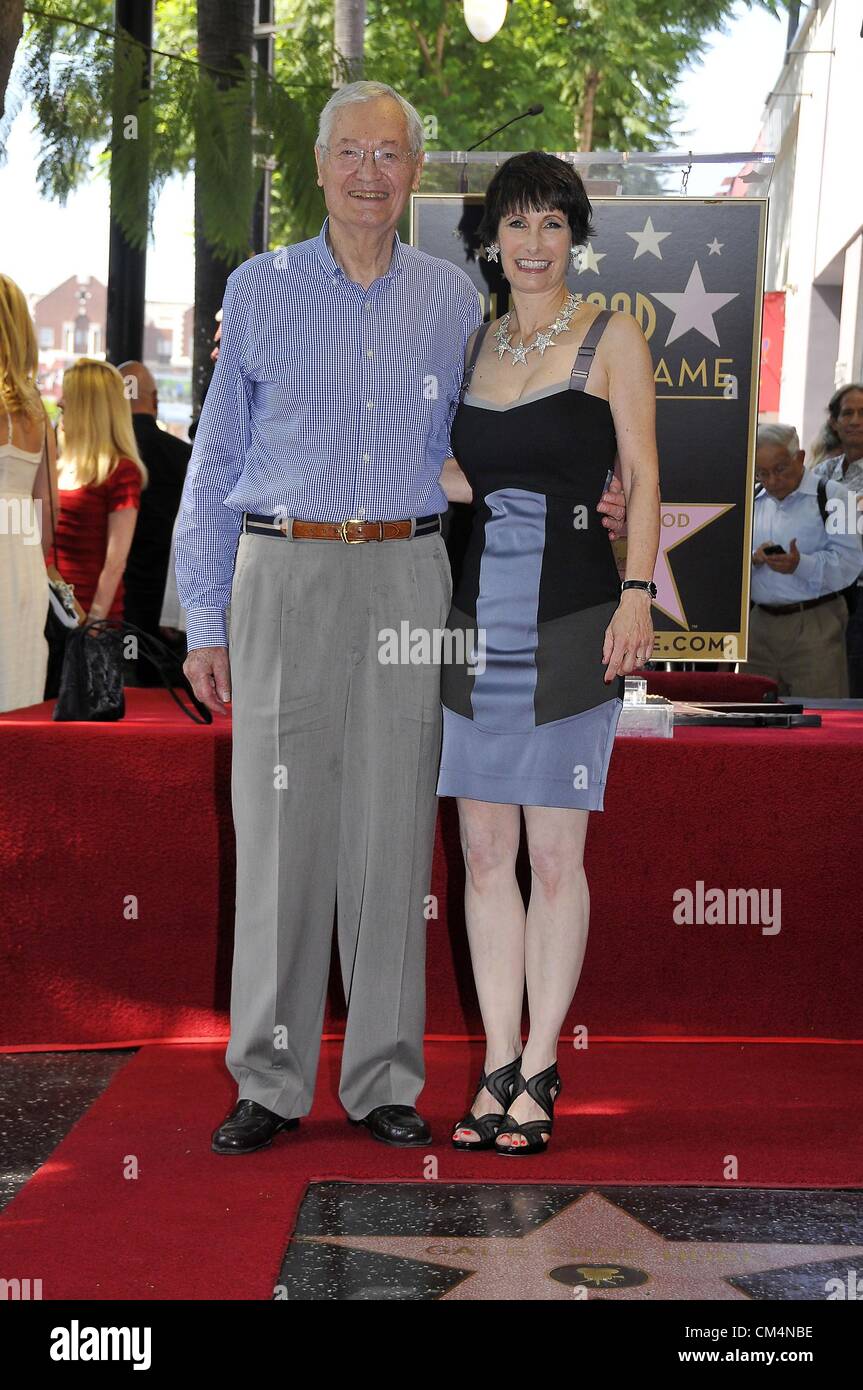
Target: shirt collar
x=808 y=483
x=807 y=486
x=332 y=266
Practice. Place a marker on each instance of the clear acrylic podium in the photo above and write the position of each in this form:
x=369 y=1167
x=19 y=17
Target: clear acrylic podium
x=610 y=173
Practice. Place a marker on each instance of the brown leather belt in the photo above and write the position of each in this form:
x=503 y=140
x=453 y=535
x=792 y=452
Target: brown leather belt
x=352 y=531
x=778 y=608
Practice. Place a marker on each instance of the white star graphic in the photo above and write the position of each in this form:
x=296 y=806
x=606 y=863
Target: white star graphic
x=594 y=1232
x=715 y=247
x=648 y=240
x=694 y=308
x=590 y=260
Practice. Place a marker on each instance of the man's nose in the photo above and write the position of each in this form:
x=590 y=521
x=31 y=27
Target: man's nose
x=368 y=166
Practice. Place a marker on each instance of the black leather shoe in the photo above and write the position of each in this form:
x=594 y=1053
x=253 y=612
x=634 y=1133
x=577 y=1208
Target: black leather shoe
x=397 y=1124
x=249 y=1126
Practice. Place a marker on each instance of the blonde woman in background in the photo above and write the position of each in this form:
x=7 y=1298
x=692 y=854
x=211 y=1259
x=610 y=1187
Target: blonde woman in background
x=100 y=477
x=25 y=512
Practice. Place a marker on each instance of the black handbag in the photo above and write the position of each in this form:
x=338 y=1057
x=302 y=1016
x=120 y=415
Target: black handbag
x=91 y=685
x=91 y=682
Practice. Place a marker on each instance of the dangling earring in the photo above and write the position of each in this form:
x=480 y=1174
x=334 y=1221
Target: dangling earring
x=492 y=252
x=576 y=256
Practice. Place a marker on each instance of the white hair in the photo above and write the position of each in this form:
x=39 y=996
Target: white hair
x=369 y=91
x=785 y=436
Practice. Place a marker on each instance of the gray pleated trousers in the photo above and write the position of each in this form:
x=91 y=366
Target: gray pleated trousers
x=335 y=757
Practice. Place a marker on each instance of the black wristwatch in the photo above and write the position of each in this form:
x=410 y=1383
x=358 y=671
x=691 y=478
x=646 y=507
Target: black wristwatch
x=646 y=584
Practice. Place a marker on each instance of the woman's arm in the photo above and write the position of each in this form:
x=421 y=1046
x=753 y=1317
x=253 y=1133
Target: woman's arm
x=454 y=482
x=44 y=480
x=632 y=397
x=121 y=528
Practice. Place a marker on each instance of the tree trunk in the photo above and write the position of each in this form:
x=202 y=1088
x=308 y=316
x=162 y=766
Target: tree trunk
x=11 y=29
x=349 y=38
x=130 y=171
x=584 y=130
x=225 y=34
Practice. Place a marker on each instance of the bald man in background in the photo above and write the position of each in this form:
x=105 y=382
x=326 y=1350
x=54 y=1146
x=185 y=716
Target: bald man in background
x=166 y=459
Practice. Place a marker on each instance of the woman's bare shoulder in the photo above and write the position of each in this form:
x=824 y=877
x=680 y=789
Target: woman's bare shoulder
x=624 y=330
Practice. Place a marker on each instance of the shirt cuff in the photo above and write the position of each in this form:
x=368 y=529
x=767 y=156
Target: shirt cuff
x=806 y=567
x=205 y=627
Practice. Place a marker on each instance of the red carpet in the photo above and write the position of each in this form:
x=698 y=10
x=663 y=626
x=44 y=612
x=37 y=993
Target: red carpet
x=196 y=1226
x=91 y=814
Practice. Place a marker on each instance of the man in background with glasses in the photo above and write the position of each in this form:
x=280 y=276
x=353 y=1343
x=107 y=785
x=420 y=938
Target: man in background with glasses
x=803 y=554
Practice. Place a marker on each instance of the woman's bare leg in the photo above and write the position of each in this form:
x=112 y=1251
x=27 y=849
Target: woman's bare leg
x=495 y=917
x=555 y=937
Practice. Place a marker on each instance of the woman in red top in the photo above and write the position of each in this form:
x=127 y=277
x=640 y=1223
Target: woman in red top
x=100 y=478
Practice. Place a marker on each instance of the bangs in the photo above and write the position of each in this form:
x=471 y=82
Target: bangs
x=537 y=182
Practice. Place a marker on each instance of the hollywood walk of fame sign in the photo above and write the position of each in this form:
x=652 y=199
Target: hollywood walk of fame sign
x=690 y=270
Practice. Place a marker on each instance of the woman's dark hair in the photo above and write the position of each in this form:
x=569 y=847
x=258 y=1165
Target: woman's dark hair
x=537 y=182
x=828 y=440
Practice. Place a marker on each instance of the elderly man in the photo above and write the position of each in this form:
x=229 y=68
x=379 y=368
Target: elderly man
x=320 y=446
x=804 y=554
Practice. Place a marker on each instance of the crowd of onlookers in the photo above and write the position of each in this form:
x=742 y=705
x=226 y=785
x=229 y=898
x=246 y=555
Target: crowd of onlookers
x=99 y=513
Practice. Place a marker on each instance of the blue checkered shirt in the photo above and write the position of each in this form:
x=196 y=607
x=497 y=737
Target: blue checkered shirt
x=328 y=401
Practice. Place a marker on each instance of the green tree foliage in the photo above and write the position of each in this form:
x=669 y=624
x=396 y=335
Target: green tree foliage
x=605 y=70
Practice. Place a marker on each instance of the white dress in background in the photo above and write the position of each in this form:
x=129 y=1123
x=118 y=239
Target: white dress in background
x=23 y=580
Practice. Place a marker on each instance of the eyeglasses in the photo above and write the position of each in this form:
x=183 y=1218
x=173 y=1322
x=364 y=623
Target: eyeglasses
x=761 y=474
x=351 y=157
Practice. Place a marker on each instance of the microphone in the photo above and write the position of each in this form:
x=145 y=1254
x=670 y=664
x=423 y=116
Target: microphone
x=535 y=110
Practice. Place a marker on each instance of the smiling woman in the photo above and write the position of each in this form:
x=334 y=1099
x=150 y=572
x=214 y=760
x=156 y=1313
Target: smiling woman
x=558 y=390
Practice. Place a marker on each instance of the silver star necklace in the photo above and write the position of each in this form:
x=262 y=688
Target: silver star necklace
x=544 y=336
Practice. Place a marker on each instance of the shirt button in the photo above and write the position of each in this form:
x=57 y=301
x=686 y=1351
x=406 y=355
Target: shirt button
x=369 y=405
x=369 y=353
x=335 y=279
x=368 y=304
x=365 y=458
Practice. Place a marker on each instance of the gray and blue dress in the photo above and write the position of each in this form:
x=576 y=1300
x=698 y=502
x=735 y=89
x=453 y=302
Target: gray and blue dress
x=527 y=717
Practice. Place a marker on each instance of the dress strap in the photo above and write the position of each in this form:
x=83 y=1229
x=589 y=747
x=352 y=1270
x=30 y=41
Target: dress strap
x=477 y=344
x=584 y=356
x=8 y=426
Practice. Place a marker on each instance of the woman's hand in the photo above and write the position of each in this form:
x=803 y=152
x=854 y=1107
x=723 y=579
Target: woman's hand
x=629 y=635
x=612 y=507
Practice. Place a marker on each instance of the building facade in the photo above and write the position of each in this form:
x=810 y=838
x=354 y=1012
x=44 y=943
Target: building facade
x=813 y=121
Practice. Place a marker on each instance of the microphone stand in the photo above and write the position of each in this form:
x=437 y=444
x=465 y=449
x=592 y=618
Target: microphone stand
x=531 y=111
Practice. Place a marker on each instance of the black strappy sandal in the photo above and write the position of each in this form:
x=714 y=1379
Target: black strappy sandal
x=501 y=1084
x=544 y=1088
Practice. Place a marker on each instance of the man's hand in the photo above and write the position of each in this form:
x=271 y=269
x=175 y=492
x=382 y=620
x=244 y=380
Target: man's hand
x=784 y=564
x=612 y=506
x=209 y=673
